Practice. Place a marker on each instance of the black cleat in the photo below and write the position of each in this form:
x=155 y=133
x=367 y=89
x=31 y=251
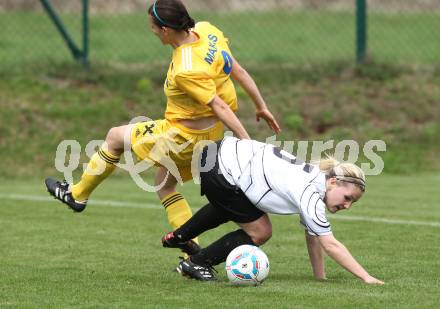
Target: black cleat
x=198 y=272
x=189 y=247
x=60 y=191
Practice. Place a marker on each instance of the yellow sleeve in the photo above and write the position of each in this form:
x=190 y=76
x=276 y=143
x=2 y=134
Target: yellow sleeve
x=226 y=41
x=197 y=85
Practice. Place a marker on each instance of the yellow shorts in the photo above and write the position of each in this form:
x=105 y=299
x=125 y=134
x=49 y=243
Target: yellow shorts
x=171 y=144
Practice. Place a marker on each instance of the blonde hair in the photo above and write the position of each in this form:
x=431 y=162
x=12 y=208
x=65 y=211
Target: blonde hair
x=345 y=172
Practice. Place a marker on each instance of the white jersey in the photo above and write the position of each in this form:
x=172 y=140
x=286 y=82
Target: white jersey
x=275 y=181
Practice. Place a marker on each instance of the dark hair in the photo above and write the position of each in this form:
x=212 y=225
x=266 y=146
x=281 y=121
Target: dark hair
x=172 y=14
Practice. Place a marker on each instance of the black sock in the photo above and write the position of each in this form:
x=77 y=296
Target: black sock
x=218 y=251
x=208 y=217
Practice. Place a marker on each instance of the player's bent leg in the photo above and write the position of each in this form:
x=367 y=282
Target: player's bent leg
x=100 y=166
x=259 y=230
x=102 y=163
x=218 y=251
x=177 y=209
x=208 y=217
x=118 y=139
x=176 y=206
x=254 y=233
x=200 y=265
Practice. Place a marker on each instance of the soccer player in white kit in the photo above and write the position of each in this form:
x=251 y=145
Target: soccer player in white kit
x=244 y=180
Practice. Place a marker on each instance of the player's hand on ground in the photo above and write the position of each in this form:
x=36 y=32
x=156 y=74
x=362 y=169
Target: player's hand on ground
x=372 y=280
x=270 y=119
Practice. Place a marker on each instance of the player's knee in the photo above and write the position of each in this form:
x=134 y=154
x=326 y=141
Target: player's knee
x=114 y=141
x=265 y=236
x=111 y=134
x=261 y=236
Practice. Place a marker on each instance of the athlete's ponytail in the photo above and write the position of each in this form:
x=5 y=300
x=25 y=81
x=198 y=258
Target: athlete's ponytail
x=345 y=172
x=190 y=23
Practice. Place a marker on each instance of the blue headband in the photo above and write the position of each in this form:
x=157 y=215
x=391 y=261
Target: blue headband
x=160 y=19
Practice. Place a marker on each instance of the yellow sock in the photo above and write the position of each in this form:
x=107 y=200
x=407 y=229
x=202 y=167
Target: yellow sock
x=100 y=166
x=177 y=209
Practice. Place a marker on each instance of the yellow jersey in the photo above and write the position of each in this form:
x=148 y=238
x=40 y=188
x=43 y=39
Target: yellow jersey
x=197 y=73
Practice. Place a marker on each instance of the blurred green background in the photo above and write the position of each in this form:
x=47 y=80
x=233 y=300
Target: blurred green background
x=301 y=54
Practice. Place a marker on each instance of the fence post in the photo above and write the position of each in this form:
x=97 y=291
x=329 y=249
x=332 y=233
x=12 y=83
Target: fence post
x=361 y=30
x=78 y=54
x=85 y=51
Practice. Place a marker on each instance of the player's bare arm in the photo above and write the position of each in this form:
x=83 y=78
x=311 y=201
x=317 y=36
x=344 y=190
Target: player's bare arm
x=239 y=74
x=338 y=252
x=316 y=256
x=227 y=116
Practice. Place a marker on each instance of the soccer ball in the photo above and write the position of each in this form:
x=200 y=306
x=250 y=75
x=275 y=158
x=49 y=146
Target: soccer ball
x=247 y=265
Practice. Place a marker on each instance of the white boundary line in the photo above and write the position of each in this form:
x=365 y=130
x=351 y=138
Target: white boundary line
x=387 y=221
x=39 y=198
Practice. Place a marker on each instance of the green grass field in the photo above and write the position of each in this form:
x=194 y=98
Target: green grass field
x=110 y=255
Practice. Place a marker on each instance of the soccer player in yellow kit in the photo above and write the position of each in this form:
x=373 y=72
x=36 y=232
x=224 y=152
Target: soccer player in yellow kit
x=201 y=98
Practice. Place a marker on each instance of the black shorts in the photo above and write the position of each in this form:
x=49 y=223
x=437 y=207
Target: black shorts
x=221 y=194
